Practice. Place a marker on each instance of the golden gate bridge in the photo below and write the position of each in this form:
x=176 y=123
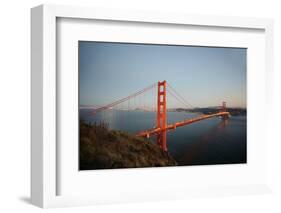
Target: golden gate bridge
x=161 y=127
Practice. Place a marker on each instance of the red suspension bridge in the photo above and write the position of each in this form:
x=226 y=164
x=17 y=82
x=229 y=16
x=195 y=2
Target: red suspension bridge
x=161 y=127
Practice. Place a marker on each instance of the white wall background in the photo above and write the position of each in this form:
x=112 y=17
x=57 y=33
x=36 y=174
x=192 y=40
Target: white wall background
x=15 y=105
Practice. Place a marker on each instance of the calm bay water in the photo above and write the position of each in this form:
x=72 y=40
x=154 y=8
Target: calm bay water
x=211 y=141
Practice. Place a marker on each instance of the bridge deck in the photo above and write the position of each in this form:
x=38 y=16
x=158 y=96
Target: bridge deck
x=154 y=131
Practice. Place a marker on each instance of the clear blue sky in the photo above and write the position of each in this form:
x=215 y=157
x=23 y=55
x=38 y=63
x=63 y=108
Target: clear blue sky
x=204 y=76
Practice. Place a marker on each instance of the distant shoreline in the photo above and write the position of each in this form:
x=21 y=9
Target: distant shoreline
x=234 y=111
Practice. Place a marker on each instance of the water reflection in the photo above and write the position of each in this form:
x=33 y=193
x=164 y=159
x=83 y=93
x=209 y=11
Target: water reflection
x=200 y=147
x=211 y=141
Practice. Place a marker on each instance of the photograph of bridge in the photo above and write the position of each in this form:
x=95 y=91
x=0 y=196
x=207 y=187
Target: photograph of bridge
x=149 y=105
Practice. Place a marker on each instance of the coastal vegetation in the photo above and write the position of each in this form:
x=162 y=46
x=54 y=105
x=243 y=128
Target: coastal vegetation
x=102 y=148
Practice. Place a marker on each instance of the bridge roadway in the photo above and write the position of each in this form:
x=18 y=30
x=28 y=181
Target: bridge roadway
x=173 y=126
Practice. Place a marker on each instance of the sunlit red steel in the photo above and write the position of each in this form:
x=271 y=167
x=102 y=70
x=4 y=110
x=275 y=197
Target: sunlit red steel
x=108 y=106
x=162 y=116
x=161 y=123
x=160 y=129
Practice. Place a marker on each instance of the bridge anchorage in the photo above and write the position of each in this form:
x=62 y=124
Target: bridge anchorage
x=161 y=125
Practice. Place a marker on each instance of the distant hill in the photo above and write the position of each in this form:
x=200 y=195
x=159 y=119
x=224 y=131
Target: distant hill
x=101 y=148
x=209 y=110
x=232 y=111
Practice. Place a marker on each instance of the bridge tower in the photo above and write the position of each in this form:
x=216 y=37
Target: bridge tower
x=162 y=115
x=223 y=109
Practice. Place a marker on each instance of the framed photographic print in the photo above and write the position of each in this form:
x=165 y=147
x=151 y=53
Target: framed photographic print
x=152 y=127
x=130 y=106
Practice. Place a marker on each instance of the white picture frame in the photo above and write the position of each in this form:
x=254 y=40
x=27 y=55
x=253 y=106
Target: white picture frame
x=44 y=154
